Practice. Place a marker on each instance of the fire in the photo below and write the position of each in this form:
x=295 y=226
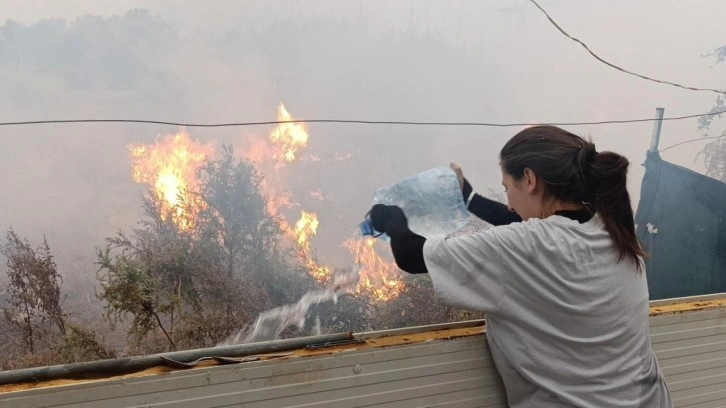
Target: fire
x=169 y=167
x=276 y=201
x=289 y=137
x=379 y=277
x=170 y=164
x=306 y=227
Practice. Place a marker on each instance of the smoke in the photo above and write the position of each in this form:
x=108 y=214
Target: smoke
x=236 y=61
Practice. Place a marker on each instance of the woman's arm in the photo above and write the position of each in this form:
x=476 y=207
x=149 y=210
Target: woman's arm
x=467 y=270
x=406 y=245
x=493 y=212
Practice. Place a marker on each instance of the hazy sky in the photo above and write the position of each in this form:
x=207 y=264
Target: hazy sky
x=493 y=61
x=548 y=77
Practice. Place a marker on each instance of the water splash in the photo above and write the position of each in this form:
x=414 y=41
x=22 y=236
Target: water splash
x=270 y=324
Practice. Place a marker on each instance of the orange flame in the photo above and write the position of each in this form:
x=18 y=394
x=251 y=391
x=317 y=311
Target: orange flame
x=289 y=137
x=377 y=276
x=169 y=167
x=305 y=228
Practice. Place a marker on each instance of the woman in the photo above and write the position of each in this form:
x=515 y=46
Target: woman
x=560 y=277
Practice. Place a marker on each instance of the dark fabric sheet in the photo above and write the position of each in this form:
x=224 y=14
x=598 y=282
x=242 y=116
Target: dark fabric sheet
x=681 y=222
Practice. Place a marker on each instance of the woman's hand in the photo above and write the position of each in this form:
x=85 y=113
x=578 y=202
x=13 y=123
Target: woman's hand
x=388 y=219
x=459 y=174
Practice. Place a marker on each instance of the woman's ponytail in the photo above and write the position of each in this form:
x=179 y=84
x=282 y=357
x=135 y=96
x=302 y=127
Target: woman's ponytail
x=606 y=176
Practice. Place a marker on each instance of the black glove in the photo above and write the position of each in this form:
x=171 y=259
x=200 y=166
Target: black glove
x=407 y=247
x=389 y=219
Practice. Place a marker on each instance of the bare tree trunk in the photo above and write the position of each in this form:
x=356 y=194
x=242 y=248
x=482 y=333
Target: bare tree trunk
x=161 y=326
x=175 y=304
x=61 y=325
x=29 y=329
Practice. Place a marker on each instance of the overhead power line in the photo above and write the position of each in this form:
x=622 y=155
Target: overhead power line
x=610 y=64
x=691 y=141
x=352 y=121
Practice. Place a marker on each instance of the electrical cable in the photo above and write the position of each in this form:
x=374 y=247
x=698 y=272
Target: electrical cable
x=353 y=121
x=597 y=57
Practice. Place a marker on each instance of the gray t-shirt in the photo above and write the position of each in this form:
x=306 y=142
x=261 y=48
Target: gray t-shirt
x=567 y=322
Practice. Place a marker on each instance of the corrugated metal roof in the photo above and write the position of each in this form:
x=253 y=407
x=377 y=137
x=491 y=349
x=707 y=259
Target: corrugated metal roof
x=412 y=367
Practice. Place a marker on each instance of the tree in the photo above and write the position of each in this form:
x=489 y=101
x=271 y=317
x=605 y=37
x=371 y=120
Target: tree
x=83 y=344
x=34 y=289
x=245 y=236
x=129 y=287
x=200 y=284
x=714 y=153
x=91 y=52
x=236 y=216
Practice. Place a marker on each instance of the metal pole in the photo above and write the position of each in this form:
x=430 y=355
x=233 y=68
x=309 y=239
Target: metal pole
x=129 y=364
x=657 y=125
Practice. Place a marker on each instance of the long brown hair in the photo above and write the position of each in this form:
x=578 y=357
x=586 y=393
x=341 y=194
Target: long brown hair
x=573 y=171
